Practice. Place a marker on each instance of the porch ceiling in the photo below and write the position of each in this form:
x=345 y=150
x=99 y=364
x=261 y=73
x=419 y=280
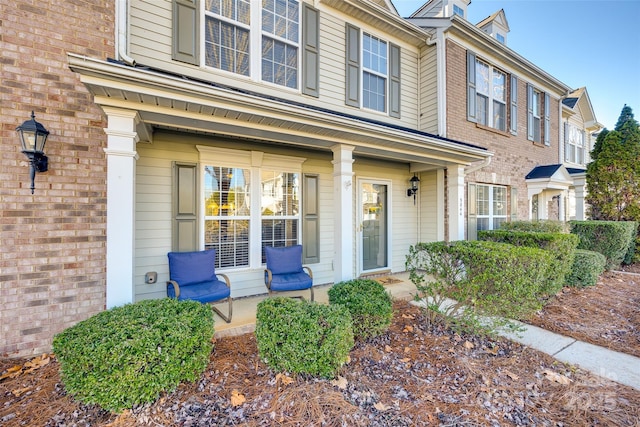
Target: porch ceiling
x=167 y=101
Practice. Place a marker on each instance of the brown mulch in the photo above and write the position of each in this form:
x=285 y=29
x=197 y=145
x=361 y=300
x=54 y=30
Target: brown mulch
x=415 y=374
x=607 y=314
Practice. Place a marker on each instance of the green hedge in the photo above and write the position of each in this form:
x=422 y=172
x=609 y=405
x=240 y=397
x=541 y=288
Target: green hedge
x=303 y=337
x=613 y=239
x=485 y=278
x=561 y=245
x=538 y=226
x=370 y=305
x=587 y=267
x=130 y=354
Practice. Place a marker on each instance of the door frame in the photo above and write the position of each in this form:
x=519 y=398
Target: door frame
x=360 y=220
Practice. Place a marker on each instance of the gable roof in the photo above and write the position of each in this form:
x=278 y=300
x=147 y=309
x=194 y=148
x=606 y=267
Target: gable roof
x=542 y=172
x=578 y=101
x=498 y=17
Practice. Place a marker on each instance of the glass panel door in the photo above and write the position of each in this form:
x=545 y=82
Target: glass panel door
x=373 y=225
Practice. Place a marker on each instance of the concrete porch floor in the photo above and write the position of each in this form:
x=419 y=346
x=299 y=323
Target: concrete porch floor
x=244 y=309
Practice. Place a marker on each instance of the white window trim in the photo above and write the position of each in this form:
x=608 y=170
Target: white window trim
x=491 y=216
x=255 y=161
x=255 y=39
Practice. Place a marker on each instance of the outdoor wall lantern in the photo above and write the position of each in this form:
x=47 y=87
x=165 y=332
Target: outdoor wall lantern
x=33 y=136
x=414 y=187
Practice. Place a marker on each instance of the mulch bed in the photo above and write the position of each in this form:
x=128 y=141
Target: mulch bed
x=415 y=374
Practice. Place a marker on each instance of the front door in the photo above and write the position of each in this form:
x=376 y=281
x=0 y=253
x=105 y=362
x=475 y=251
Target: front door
x=373 y=225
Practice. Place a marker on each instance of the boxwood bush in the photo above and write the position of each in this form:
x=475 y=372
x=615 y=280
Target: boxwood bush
x=561 y=245
x=370 y=305
x=128 y=355
x=587 y=267
x=613 y=239
x=537 y=226
x=489 y=281
x=303 y=337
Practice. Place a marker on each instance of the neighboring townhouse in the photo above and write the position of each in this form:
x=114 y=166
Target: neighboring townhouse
x=490 y=95
x=52 y=269
x=231 y=125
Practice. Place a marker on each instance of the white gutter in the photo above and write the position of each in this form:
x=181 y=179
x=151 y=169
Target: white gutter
x=478 y=165
x=121 y=24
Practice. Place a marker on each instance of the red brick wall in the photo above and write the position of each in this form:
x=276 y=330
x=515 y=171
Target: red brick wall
x=52 y=257
x=514 y=156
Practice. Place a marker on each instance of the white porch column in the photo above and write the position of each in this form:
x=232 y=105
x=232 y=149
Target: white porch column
x=580 y=189
x=455 y=203
x=121 y=174
x=343 y=267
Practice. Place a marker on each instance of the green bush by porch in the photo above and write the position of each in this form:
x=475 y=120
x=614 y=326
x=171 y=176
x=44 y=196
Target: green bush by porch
x=561 y=246
x=483 y=278
x=130 y=354
x=587 y=267
x=613 y=239
x=303 y=337
x=370 y=305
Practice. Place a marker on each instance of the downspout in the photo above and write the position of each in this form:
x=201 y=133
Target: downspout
x=478 y=165
x=122 y=23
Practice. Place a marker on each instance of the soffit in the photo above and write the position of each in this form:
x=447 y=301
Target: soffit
x=173 y=103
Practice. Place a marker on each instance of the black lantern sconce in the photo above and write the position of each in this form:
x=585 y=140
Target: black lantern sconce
x=414 y=187
x=33 y=136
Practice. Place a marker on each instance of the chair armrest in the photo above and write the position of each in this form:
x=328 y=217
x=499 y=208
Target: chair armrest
x=268 y=277
x=308 y=271
x=176 y=287
x=226 y=279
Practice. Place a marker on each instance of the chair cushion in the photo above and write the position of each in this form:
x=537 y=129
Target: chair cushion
x=284 y=260
x=204 y=291
x=188 y=268
x=291 y=281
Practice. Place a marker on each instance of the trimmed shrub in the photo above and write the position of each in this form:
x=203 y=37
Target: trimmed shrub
x=561 y=245
x=482 y=278
x=538 y=226
x=587 y=267
x=613 y=239
x=370 y=305
x=303 y=337
x=128 y=355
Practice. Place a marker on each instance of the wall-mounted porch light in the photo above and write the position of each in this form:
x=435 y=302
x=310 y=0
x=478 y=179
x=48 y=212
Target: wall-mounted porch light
x=414 y=187
x=33 y=136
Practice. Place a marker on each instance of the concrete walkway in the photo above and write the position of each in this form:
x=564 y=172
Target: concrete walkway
x=613 y=365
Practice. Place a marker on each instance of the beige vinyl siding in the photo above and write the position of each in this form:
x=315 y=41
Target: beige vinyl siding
x=428 y=91
x=153 y=213
x=150 y=45
x=429 y=207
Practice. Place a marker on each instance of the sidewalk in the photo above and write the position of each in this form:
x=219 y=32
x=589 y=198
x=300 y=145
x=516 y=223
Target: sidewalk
x=613 y=365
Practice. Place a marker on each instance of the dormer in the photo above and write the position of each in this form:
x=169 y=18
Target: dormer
x=442 y=9
x=496 y=26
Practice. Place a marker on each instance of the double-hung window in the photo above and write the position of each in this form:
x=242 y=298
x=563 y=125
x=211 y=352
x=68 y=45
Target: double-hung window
x=491 y=96
x=374 y=73
x=251 y=200
x=491 y=203
x=261 y=43
x=487 y=95
x=574 y=148
x=538 y=116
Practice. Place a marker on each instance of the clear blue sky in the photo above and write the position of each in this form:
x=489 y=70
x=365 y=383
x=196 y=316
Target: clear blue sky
x=592 y=43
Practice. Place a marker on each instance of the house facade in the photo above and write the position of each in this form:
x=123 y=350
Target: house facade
x=538 y=129
x=233 y=125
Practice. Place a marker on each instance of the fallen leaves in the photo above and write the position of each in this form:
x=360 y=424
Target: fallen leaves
x=28 y=367
x=340 y=382
x=237 y=398
x=556 y=377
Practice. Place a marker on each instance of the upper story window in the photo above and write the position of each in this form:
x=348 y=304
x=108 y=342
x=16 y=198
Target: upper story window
x=574 y=147
x=491 y=96
x=538 y=116
x=457 y=10
x=262 y=44
x=372 y=72
x=500 y=38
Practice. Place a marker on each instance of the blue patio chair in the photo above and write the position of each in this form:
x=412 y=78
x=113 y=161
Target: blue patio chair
x=193 y=276
x=284 y=271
